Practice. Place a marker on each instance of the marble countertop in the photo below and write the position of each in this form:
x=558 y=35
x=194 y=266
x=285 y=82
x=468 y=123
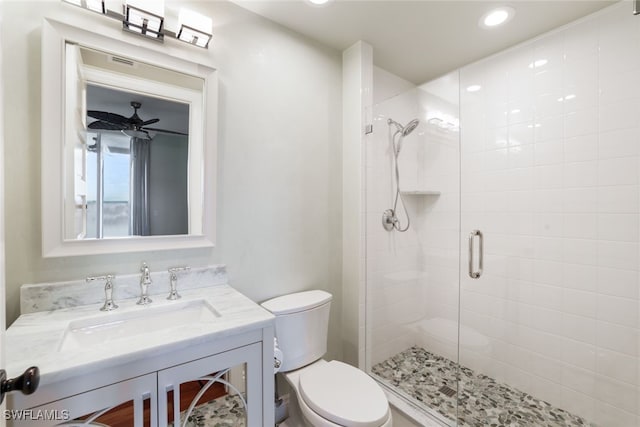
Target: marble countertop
x=34 y=339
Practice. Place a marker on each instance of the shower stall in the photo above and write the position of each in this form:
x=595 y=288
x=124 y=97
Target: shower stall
x=511 y=297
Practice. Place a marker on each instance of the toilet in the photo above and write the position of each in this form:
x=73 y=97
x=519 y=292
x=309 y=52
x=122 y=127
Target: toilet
x=328 y=393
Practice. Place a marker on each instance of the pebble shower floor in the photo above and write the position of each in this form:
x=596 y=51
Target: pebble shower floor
x=483 y=400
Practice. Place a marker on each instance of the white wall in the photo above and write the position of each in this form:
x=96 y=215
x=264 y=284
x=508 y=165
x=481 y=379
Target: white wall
x=279 y=194
x=357 y=82
x=550 y=161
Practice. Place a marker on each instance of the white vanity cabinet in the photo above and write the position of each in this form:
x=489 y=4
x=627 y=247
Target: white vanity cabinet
x=159 y=391
x=138 y=364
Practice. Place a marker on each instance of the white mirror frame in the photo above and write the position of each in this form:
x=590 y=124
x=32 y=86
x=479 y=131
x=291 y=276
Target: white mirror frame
x=55 y=34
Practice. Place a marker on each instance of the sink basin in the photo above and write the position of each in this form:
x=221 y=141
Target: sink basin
x=138 y=323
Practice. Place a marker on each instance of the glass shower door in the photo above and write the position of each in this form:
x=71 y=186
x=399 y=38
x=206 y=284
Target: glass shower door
x=412 y=275
x=550 y=176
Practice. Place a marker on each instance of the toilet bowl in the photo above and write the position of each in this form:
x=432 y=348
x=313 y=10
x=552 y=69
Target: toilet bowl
x=328 y=393
x=336 y=394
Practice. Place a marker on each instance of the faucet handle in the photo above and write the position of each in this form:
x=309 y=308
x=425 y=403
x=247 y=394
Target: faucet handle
x=108 y=291
x=173 y=281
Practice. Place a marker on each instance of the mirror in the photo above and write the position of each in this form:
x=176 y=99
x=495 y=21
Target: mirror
x=133 y=123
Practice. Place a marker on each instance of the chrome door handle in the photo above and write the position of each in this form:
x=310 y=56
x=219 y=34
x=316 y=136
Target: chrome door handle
x=476 y=274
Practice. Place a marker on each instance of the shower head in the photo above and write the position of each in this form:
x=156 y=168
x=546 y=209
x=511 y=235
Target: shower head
x=404 y=130
x=410 y=127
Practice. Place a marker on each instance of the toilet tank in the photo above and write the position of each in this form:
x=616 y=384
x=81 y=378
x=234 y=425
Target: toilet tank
x=302 y=323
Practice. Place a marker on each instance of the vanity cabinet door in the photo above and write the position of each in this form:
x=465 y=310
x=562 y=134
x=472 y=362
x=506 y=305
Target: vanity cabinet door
x=220 y=390
x=128 y=403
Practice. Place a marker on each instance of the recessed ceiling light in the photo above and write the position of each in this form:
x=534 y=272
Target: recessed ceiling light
x=318 y=2
x=497 y=17
x=473 y=88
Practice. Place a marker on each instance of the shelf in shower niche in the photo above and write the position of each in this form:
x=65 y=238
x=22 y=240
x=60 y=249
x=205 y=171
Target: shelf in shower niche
x=419 y=193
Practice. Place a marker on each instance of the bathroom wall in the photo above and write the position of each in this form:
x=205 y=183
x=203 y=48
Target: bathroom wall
x=550 y=161
x=279 y=151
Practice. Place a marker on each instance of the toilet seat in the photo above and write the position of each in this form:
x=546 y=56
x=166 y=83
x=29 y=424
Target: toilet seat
x=343 y=395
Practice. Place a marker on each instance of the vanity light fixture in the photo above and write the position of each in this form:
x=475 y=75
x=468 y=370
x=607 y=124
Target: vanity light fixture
x=195 y=28
x=146 y=18
x=95 y=5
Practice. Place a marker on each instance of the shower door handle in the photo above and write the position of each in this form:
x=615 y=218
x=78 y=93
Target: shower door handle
x=476 y=274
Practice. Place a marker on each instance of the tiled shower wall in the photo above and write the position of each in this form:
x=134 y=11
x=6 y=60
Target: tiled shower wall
x=550 y=174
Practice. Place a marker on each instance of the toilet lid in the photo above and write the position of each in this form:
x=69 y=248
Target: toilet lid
x=344 y=395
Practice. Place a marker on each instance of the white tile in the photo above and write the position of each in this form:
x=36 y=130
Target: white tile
x=579 y=303
x=618 y=56
x=581 y=39
x=621 y=311
x=495 y=159
x=548 y=103
x=580 y=200
x=548 y=225
x=579 y=379
x=579 y=328
x=619 y=115
x=550 y=249
x=618 y=366
x=579 y=354
x=622 y=395
x=579 y=276
x=521 y=156
x=620 y=227
x=619 y=199
x=581 y=148
x=616 y=282
x=580 y=226
x=548 y=201
x=619 y=143
x=581 y=122
x=617 y=338
x=546 y=128
x=520 y=134
x=622 y=255
x=549 y=152
x=580 y=174
x=615 y=87
x=549 y=176
x=620 y=171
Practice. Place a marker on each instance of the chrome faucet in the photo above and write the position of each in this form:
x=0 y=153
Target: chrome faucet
x=173 y=279
x=145 y=281
x=108 y=291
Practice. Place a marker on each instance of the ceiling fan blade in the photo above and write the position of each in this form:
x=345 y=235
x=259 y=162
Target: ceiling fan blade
x=150 y=122
x=102 y=125
x=108 y=117
x=173 y=132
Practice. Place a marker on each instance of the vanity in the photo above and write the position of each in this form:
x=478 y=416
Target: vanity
x=146 y=357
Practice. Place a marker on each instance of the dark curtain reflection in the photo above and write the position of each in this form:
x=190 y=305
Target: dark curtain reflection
x=140 y=154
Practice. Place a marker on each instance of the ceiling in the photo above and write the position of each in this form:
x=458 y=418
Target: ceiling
x=420 y=40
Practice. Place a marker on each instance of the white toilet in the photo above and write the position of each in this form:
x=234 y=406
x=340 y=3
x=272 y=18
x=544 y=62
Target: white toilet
x=329 y=393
